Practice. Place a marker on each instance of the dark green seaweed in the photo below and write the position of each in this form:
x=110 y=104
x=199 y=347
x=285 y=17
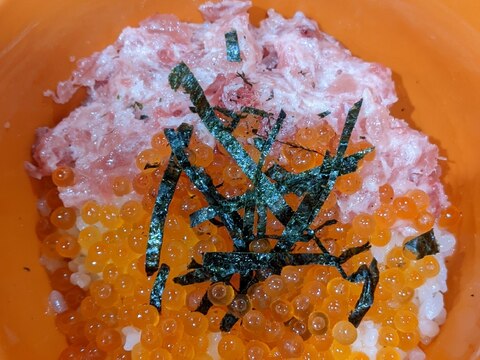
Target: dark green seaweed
x=266 y=194
x=159 y=286
x=232 y=47
x=423 y=245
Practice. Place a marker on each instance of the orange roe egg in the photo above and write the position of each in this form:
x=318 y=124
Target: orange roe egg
x=338 y=286
x=259 y=297
x=67 y=321
x=170 y=328
x=195 y=324
x=254 y=322
x=282 y=309
x=322 y=342
x=150 y=337
x=317 y=323
x=124 y=284
x=388 y=353
x=174 y=254
x=63 y=217
x=413 y=276
x=274 y=285
x=310 y=353
x=408 y=340
x=67 y=246
x=349 y=183
x=404 y=294
x=91 y=328
x=148 y=157
x=388 y=336
x=90 y=212
x=183 y=350
x=386 y=193
x=395 y=258
x=420 y=197
x=363 y=224
x=203 y=153
x=274 y=330
x=260 y=246
x=89 y=236
x=405 y=207
x=344 y=332
x=291 y=345
x=174 y=297
x=302 y=306
x=335 y=307
x=88 y=307
x=202 y=247
x=220 y=294
x=60 y=279
x=340 y=351
x=299 y=327
x=384 y=216
x=63 y=176
x=240 y=305
x=393 y=278
x=314 y=289
x=449 y=217
x=140 y=353
x=256 y=350
x=215 y=316
x=103 y=293
x=231 y=347
x=356 y=355
x=137 y=241
x=428 y=266
x=108 y=339
x=160 y=354
x=194 y=298
x=299 y=159
x=131 y=211
x=405 y=321
x=423 y=221
x=121 y=186
x=110 y=217
x=160 y=143
x=142 y=183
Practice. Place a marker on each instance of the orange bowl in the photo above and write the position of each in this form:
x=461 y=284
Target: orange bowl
x=432 y=46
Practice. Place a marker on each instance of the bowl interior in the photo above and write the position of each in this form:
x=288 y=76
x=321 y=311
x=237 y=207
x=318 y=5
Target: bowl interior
x=432 y=46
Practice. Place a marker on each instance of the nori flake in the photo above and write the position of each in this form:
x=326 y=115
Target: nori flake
x=159 y=286
x=228 y=321
x=265 y=194
x=423 y=245
x=369 y=276
x=232 y=47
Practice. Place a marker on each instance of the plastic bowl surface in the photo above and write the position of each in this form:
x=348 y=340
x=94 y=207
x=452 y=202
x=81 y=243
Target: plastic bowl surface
x=432 y=46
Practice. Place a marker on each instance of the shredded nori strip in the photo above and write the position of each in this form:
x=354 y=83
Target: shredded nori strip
x=232 y=47
x=266 y=194
x=204 y=184
x=159 y=215
x=423 y=245
x=220 y=266
x=319 y=191
x=324 y=114
x=182 y=76
x=369 y=276
x=205 y=305
x=159 y=286
x=227 y=322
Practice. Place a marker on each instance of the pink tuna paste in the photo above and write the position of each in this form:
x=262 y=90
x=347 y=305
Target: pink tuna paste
x=290 y=64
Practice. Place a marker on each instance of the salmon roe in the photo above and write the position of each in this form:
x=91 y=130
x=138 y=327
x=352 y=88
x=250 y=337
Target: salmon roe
x=63 y=176
x=300 y=312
